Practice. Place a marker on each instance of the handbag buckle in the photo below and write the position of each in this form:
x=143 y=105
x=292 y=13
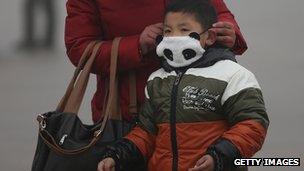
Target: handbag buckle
x=41 y=120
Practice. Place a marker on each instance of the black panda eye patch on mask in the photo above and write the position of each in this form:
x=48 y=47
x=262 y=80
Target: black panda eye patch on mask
x=168 y=53
x=189 y=53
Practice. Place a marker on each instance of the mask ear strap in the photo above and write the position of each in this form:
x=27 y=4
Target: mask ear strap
x=158 y=39
x=206 y=47
x=205 y=30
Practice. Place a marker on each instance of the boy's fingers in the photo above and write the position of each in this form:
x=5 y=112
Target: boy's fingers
x=106 y=165
x=106 y=168
x=200 y=164
x=198 y=168
x=203 y=165
x=100 y=166
x=200 y=161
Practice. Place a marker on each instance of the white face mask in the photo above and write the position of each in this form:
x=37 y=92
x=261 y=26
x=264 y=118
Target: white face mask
x=180 y=51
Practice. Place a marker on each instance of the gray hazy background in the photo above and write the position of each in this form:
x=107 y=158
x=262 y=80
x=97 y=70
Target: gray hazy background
x=33 y=82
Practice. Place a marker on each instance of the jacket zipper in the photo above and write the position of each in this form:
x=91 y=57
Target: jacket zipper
x=173 y=120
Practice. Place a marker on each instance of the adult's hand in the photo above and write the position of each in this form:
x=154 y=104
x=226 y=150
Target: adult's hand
x=225 y=33
x=107 y=164
x=147 y=37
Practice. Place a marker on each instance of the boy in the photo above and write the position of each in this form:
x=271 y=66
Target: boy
x=202 y=109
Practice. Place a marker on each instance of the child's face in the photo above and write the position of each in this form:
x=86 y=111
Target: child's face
x=182 y=24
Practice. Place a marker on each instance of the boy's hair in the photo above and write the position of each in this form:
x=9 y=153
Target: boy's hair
x=203 y=10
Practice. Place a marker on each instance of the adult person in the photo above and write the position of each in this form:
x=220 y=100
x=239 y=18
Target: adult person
x=30 y=39
x=138 y=23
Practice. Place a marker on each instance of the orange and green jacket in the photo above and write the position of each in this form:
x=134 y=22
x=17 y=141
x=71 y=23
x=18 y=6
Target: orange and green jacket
x=188 y=111
x=185 y=113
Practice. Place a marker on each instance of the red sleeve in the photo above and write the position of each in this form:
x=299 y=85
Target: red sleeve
x=143 y=140
x=224 y=14
x=83 y=25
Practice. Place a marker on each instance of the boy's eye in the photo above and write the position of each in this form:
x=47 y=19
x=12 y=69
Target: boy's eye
x=184 y=30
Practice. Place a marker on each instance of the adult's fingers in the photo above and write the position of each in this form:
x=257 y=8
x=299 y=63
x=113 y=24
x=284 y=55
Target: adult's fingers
x=158 y=25
x=225 y=39
x=155 y=30
x=224 y=31
x=152 y=35
x=222 y=24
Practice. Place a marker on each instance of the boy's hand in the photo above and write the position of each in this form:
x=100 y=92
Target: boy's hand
x=206 y=163
x=225 y=33
x=147 y=37
x=107 y=164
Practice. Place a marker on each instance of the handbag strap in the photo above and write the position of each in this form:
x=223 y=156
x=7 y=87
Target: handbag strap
x=74 y=101
x=74 y=95
x=83 y=59
x=111 y=109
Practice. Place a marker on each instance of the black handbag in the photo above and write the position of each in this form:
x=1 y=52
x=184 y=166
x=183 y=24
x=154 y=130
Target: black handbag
x=64 y=142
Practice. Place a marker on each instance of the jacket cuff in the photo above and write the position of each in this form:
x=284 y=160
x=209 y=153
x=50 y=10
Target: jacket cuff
x=218 y=160
x=129 y=52
x=125 y=154
x=223 y=153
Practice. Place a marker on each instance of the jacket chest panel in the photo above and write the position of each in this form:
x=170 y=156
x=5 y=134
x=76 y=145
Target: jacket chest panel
x=198 y=99
x=200 y=94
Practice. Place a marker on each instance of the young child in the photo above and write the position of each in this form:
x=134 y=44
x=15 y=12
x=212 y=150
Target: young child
x=202 y=109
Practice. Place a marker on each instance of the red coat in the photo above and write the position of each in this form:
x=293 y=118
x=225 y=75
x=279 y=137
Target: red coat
x=89 y=20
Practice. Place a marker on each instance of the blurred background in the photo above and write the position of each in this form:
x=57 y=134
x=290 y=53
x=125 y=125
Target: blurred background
x=32 y=80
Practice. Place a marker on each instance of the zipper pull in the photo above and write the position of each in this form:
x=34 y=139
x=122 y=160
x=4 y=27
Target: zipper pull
x=179 y=75
x=62 y=139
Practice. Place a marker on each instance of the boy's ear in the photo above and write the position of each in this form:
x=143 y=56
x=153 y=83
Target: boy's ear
x=211 y=38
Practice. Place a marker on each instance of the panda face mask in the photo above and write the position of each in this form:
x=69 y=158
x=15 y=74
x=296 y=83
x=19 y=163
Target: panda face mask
x=180 y=51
